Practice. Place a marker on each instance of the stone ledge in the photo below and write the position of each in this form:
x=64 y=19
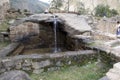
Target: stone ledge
x=45 y=62
x=54 y=55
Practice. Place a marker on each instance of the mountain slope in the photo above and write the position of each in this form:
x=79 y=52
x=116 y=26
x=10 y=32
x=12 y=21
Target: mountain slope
x=34 y=6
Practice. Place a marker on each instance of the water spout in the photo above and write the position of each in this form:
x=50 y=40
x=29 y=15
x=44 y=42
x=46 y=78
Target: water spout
x=54 y=19
x=55 y=34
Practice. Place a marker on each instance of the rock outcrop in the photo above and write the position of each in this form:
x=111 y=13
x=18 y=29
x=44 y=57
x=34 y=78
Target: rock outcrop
x=75 y=24
x=114 y=73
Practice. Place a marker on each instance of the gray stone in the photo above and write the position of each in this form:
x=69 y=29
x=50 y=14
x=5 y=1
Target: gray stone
x=69 y=62
x=76 y=24
x=18 y=66
x=14 y=75
x=8 y=64
x=38 y=65
x=59 y=63
x=38 y=71
x=53 y=68
x=27 y=63
x=104 y=78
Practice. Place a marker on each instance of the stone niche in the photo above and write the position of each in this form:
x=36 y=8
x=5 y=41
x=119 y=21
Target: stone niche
x=45 y=43
x=40 y=38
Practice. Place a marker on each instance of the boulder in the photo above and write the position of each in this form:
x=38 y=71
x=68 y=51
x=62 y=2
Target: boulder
x=114 y=73
x=14 y=75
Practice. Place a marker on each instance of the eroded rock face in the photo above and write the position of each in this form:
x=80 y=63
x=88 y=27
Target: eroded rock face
x=14 y=75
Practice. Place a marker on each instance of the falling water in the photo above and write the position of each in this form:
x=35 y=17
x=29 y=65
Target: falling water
x=55 y=34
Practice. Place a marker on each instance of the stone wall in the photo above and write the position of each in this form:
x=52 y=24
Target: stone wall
x=23 y=31
x=38 y=63
x=107 y=26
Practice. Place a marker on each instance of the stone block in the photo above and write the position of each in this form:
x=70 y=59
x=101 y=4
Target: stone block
x=8 y=64
x=38 y=71
x=26 y=68
x=27 y=63
x=53 y=68
x=18 y=66
x=38 y=65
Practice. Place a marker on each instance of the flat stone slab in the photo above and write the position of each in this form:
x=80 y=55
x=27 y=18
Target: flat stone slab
x=55 y=55
x=74 y=24
x=77 y=23
x=38 y=17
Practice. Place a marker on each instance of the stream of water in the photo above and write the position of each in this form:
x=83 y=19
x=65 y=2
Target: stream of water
x=55 y=34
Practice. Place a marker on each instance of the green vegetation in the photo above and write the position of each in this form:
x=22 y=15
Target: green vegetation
x=81 y=8
x=4 y=25
x=102 y=10
x=56 y=3
x=4 y=44
x=90 y=71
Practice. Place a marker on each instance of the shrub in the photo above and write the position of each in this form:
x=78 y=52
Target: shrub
x=102 y=10
x=81 y=8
